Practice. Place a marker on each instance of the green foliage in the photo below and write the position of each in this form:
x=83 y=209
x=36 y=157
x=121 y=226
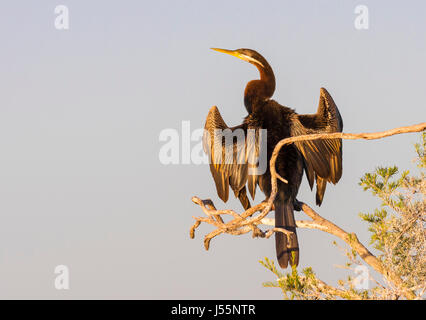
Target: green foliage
x=293 y=285
x=397 y=227
x=420 y=149
x=397 y=230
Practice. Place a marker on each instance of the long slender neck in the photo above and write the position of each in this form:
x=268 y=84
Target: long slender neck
x=259 y=90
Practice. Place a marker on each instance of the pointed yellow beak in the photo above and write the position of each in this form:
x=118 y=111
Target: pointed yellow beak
x=239 y=55
x=231 y=52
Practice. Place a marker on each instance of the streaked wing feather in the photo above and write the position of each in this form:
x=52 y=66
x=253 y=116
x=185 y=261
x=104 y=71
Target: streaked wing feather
x=228 y=157
x=323 y=157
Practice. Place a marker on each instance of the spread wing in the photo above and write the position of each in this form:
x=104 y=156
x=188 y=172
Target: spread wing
x=323 y=157
x=229 y=151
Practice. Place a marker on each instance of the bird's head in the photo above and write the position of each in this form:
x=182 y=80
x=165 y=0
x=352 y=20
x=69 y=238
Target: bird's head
x=256 y=90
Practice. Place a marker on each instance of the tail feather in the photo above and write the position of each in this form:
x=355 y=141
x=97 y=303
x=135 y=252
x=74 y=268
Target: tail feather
x=287 y=247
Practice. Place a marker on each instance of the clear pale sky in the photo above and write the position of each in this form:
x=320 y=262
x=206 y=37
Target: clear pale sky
x=81 y=111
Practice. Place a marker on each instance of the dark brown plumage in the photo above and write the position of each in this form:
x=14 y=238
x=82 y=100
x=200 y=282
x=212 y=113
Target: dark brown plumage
x=229 y=160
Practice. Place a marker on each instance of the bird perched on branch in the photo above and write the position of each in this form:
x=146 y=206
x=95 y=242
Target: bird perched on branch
x=230 y=164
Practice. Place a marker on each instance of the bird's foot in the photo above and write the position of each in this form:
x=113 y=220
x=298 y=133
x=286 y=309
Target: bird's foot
x=297 y=205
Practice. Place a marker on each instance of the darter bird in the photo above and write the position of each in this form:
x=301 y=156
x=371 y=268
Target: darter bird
x=320 y=159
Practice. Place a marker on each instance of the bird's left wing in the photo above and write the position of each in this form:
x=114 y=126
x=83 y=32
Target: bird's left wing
x=323 y=157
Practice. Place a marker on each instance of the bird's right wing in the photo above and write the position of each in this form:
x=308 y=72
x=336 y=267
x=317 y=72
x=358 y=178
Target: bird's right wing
x=228 y=150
